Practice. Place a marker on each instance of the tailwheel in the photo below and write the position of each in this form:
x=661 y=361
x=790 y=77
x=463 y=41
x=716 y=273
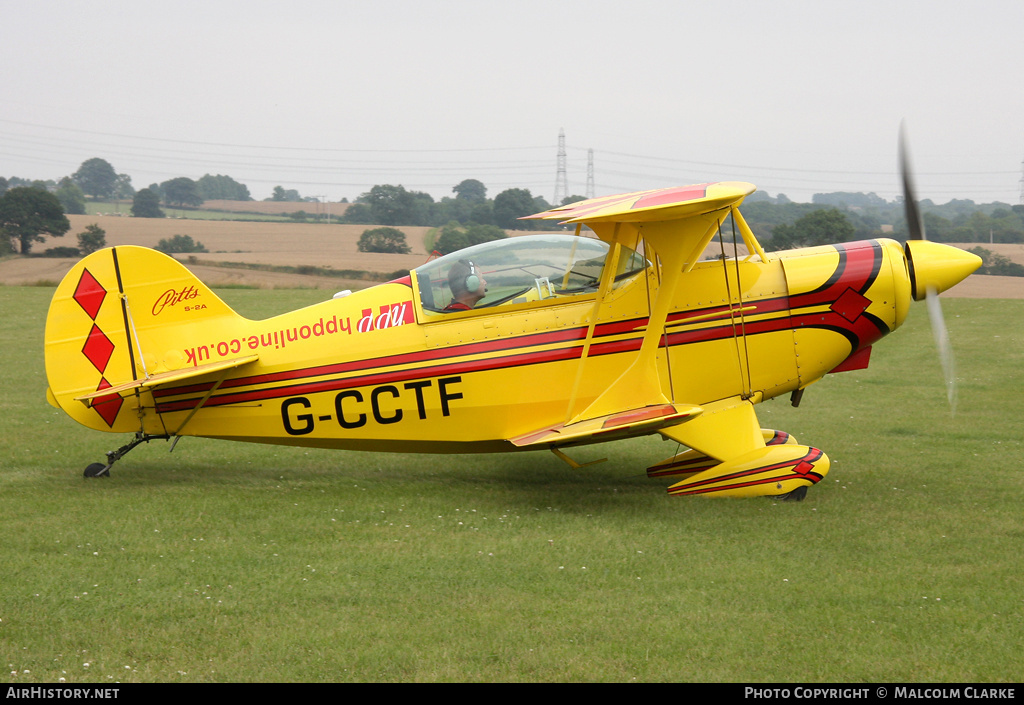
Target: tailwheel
x=103 y=469
x=97 y=470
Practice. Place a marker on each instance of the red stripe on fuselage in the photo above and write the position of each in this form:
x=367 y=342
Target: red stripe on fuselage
x=441 y=353
x=858 y=268
x=330 y=385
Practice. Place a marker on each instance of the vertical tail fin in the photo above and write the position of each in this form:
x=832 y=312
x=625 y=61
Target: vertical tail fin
x=120 y=317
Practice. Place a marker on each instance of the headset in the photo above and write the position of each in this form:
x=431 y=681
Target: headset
x=472 y=282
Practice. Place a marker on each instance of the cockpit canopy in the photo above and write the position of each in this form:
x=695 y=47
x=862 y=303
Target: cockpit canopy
x=524 y=268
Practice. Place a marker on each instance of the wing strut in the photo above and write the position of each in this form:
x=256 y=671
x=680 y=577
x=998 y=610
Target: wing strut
x=742 y=357
x=678 y=245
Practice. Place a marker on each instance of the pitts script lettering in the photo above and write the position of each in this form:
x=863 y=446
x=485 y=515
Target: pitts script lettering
x=173 y=297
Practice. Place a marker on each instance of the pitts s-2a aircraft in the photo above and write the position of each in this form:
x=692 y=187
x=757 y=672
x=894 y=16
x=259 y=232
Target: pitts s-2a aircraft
x=617 y=331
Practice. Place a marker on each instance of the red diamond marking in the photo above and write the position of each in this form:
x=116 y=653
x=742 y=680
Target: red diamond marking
x=803 y=467
x=98 y=348
x=107 y=406
x=89 y=294
x=851 y=305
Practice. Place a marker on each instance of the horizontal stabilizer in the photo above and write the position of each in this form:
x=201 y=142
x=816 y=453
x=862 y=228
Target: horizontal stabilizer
x=167 y=377
x=634 y=422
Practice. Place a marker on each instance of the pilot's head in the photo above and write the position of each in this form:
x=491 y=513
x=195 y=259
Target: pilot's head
x=466 y=282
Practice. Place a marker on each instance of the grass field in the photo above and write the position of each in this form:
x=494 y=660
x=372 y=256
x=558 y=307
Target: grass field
x=232 y=562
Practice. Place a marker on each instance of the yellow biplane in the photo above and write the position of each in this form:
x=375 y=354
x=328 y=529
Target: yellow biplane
x=542 y=341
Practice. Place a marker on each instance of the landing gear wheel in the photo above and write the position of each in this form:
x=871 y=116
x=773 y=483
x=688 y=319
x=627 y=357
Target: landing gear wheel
x=796 y=495
x=97 y=470
x=103 y=469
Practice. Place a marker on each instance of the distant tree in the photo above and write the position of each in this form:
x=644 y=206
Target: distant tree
x=280 y=194
x=220 y=187
x=357 y=213
x=997 y=264
x=937 y=228
x=71 y=197
x=424 y=209
x=181 y=191
x=448 y=209
x=62 y=252
x=390 y=205
x=383 y=240
x=470 y=190
x=512 y=204
x=453 y=237
x=28 y=215
x=96 y=177
x=146 y=204
x=123 y=188
x=482 y=213
x=450 y=238
x=847 y=199
x=572 y=199
x=180 y=243
x=93 y=238
x=819 y=227
x=4 y=185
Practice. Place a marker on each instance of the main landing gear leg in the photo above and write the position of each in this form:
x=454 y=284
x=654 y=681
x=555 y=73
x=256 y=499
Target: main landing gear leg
x=103 y=470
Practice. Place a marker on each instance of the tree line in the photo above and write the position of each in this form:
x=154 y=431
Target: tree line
x=97 y=179
x=844 y=217
x=470 y=216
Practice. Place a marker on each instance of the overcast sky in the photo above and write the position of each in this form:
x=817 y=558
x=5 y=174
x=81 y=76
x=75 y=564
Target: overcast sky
x=330 y=98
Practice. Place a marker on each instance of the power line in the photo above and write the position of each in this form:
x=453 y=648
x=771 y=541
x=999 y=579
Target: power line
x=269 y=147
x=429 y=169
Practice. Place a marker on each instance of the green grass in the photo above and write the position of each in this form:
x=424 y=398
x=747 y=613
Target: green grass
x=233 y=562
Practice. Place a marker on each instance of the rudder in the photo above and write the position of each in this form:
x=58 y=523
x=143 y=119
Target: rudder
x=120 y=315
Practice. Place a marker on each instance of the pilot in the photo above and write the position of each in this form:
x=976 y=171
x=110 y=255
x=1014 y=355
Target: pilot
x=467 y=284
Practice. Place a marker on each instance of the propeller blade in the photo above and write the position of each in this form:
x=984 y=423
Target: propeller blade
x=915 y=230
x=941 y=335
x=915 y=225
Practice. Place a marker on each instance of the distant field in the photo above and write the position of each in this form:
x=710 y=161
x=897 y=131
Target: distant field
x=276 y=207
x=991 y=287
x=289 y=244
x=333 y=244
x=238 y=207
x=1014 y=251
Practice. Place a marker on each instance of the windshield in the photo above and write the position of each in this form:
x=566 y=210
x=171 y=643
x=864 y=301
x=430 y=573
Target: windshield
x=521 y=269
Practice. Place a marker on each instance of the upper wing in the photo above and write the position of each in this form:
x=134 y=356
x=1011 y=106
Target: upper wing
x=655 y=205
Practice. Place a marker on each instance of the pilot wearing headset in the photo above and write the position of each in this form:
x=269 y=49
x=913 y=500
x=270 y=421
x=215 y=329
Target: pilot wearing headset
x=467 y=284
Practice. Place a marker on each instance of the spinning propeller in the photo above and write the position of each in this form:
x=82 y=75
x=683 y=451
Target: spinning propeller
x=933 y=268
